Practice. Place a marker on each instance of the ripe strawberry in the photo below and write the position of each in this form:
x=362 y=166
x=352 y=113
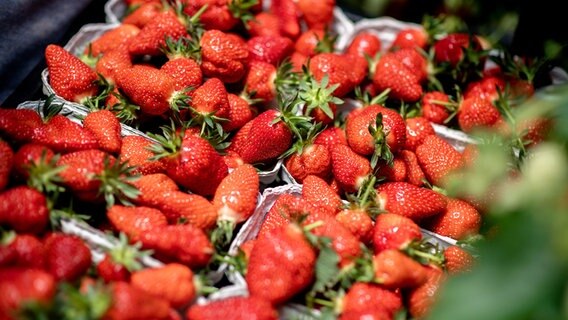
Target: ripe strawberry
x=476 y=112
x=415 y=61
x=410 y=38
x=223 y=56
x=394 y=231
x=24 y=209
x=393 y=269
x=358 y=222
x=264 y=24
x=152 y=187
x=233 y=308
x=23 y=285
x=343 y=242
x=70 y=78
x=219 y=15
x=67 y=256
x=459 y=220
x=106 y=128
x=240 y=112
x=311 y=159
x=452 y=48
x=317 y=14
x=152 y=37
x=365 y=44
x=457 y=260
x=21 y=250
x=317 y=191
x=437 y=159
x=18 y=125
x=421 y=298
x=433 y=111
x=349 y=168
x=236 y=197
x=364 y=296
x=153 y=90
x=403 y=82
x=286 y=208
x=113 y=62
x=281 y=264
x=194 y=209
x=396 y=171
x=143 y=14
x=330 y=137
x=269 y=49
x=409 y=200
x=6 y=163
x=134 y=221
x=260 y=81
x=62 y=135
x=185 y=244
x=111 y=39
x=337 y=67
x=312 y=42
x=173 y=282
x=417 y=129
x=120 y=261
x=289 y=17
x=185 y=71
x=414 y=173
x=487 y=88
x=134 y=150
x=129 y=302
x=210 y=100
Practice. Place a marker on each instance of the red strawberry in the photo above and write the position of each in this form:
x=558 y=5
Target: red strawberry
x=457 y=260
x=414 y=173
x=358 y=222
x=313 y=159
x=143 y=14
x=172 y=282
x=134 y=221
x=438 y=159
x=394 y=231
x=476 y=112
x=219 y=15
x=152 y=37
x=421 y=298
x=451 y=48
x=270 y=49
x=106 y=128
x=417 y=129
x=289 y=17
x=62 y=135
x=210 y=99
x=129 y=302
x=403 y=82
x=285 y=209
x=120 y=261
x=317 y=14
x=393 y=269
x=487 y=88
x=152 y=187
x=281 y=264
x=310 y=42
x=415 y=61
x=233 y=308
x=186 y=72
x=24 y=209
x=194 y=209
x=260 y=80
x=240 y=112
x=236 y=197
x=185 y=244
x=365 y=44
x=396 y=171
x=134 y=150
x=67 y=256
x=330 y=137
x=111 y=271
x=319 y=193
x=112 y=39
x=113 y=62
x=223 y=56
x=337 y=67
x=19 y=125
x=6 y=163
x=22 y=250
x=459 y=220
x=349 y=168
x=264 y=24
x=364 y=296
x=70 y=77
x=410 y=38
x=433 y=111
x=409 y=200
x=23 y=285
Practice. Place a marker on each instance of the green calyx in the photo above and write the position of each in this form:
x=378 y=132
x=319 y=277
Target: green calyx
x=299 y=146
x=128 y=255
x=168 y=143
x=241 y=10
x=297 y=123
x=116 y=182
x=318 y=95
x=44 y=174
x=222 y=235
x=125 y=110
x=184 y=47
x=382 y=150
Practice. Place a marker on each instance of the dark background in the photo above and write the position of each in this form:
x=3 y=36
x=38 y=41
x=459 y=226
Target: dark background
x=529 y=28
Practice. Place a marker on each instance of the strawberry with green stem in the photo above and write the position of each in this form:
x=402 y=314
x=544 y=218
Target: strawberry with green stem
x=306 y=158
x=318 y=98
x=121 y=260
x=222 y=15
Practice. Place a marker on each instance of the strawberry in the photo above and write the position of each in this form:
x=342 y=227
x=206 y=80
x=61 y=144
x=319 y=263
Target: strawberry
x=432 y=109
x=134 y=150
x=365 y=44
x=337 y=67
x=269 y=49
x=318 y=192
x=414 y=173
x=358 y=222
x=260 y=81
x=396 y=171
x=194 y=209
x=106 y=128
x=172 y=282
x=311 y=159
x=233 y=308
x=410 y=38
x=18 y=125
x=24 y=209
x=113 y=62
x=312 y=42
x=236 y=196
x=487 y=88
x=210 y=100
x=476 y=112
x=6 y=163
x=317 y=14
x=349 y=168
x=185 y=71
x=285 y=209
x=457 y=260
x=452 y=48
x=152 y=187
x=289 y=17
x=185 y=244
x=23 y=285
x=393 y=269
x=365 y=296
x=409 y=200
x=373 y=314
x=62 y=135
x=330 y=137
x=120 y=261
x=417 y=129
x=264 y=24
x=134 y=221
x=152 y=89
x=67 y=256
x=223 y=56
x=240 y=112
x=391 y=73
x=142 y=14
x=70 y=78
x=459 y=220
x=152 y=37
x=415 y=61
x=21 y=250
x=394 y=231
x=421 y=298
x=438 y=159
x=111 y=39
x=129 y=302
x=281 y=264
x=220 y=15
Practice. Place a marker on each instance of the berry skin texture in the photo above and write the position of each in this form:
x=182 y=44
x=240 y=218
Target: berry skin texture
x=459 y=220
x=438 y=159
x=410 y=201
